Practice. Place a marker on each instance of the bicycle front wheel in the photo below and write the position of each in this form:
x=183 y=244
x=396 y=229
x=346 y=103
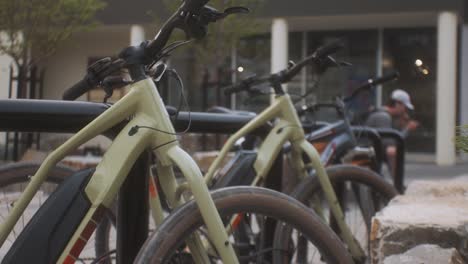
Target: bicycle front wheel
x=250 y=207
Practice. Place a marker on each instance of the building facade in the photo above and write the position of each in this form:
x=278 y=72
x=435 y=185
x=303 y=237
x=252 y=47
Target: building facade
x=394 y=35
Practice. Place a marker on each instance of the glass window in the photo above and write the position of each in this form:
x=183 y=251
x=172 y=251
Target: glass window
x=413 y=53
x=253 y=57
x=360 y=49
x=296 y=43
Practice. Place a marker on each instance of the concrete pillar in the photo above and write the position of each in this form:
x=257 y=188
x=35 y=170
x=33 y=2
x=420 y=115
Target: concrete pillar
x=446 y=88
x=463 y=100
x=279 y=44
x=137 y=35
x=464 y=77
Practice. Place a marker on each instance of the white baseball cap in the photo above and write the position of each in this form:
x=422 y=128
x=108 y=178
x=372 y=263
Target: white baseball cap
x=402 y=97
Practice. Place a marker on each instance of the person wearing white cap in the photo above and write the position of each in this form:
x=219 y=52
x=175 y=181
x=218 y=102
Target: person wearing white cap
x=402 y=97
x=394 y=115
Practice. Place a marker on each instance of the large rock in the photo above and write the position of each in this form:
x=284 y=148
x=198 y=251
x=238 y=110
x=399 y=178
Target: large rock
x=429 y=213
x=427 y=254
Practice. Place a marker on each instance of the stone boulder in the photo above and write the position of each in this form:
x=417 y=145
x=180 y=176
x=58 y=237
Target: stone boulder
x=431 y=212
x=427 y=254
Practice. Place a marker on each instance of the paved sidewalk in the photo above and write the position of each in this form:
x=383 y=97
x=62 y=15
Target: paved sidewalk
x=430 y=171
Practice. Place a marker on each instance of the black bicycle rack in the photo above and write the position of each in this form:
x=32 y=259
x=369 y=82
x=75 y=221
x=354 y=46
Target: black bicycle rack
x=400 y=155
x=375 y=139
x=376 y=135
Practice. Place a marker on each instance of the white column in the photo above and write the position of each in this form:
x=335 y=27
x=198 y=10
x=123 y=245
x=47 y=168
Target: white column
x=464 y=77
x=446 y=88
x=463 y=100
x=279 y=44
x=137 y=35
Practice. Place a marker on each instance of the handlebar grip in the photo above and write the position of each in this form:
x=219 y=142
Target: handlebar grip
x=328 y=49
x=373 y=83
x=386 y=78
x=243 y=85
x=321 y=52
x=235 y=88
x=77 y=90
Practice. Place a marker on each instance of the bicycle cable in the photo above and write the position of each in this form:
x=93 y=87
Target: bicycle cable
x=174 y=73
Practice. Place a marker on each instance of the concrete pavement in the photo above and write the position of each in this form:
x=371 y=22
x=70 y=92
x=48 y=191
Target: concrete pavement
x=430 y=171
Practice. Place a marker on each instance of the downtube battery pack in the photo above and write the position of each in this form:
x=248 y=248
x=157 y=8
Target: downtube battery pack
x=49 y=231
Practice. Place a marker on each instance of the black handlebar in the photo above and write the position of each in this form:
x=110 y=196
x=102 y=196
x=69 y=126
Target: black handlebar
x=235 y=88
x=373 y=83
x=321 y=53
x=287 y=74
x=386 y=78
x=329 y=49
x=368 y=85
x=180 y=19
x=77 y=90
x=96 y=73
x=243 y=85
x=163 y=36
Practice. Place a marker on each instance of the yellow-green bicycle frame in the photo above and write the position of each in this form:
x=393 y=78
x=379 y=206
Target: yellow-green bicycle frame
x=142 y=106
x=287 y=127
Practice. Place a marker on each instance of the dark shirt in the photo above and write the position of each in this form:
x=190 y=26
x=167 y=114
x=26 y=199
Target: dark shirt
x=380 y=118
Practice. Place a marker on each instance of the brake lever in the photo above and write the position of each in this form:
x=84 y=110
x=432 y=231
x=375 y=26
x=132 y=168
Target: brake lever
x=236 y=10
x=110 y=83
x=211 y=14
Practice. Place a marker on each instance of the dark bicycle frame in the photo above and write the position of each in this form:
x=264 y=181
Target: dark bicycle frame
x=340 y=141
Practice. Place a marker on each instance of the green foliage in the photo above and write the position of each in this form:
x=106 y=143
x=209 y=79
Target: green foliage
x=461 y=140
x=41 y=25
x=225 y=34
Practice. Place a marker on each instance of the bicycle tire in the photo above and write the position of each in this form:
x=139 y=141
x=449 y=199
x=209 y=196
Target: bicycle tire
x=187 y=218
x=22 y=171
x=370 y=190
